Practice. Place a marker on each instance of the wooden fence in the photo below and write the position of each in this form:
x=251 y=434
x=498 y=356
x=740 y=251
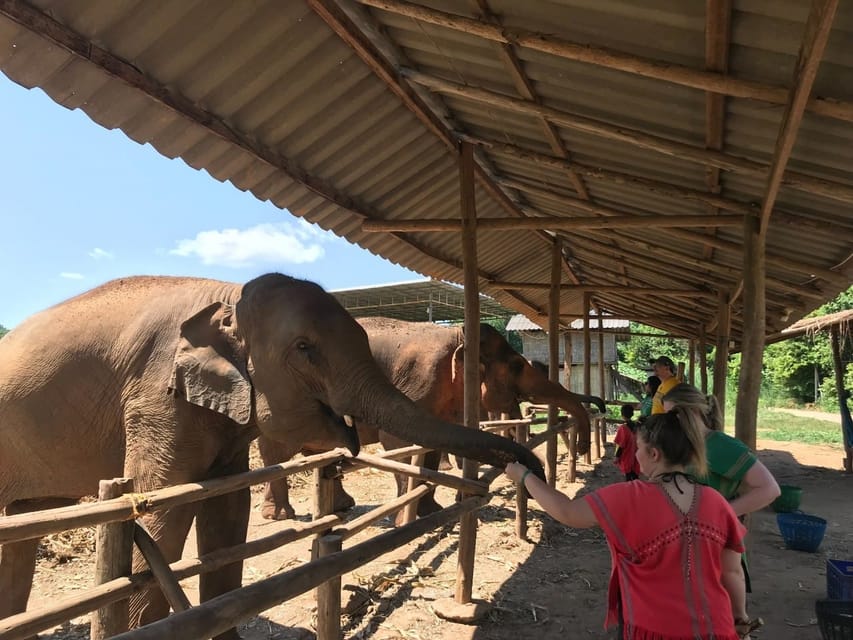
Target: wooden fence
x=118 y=508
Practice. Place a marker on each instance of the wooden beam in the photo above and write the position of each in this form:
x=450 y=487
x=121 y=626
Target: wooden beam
x=553 y=359
x=814 y=42
x=365 y=38
x=525 y=88
x=553 y=223
x=610 y=59
x=783 y=262
x=708 y=155
x=592 y=288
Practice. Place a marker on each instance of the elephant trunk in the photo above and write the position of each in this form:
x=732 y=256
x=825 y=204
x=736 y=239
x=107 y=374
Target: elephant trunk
x=382 y=405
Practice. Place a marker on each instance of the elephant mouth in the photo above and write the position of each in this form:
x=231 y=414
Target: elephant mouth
x=345 y=426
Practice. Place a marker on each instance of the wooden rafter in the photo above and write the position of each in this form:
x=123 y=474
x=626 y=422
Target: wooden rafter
x=610 y=59
x=552 y=223
x=709 y=155
x=597 y=288
x=814 y=42
x=361 y=38
x=718 y=17
x=525 y=89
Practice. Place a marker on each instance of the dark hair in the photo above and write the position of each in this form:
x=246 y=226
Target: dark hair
x=678 y=438
x=654 y=383
x=627 y=411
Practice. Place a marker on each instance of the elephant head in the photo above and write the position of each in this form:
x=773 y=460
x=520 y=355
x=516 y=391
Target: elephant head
x=288 y=357
x=507 y=378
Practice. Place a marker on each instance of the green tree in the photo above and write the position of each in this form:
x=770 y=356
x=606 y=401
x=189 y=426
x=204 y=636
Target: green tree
x=636 y=353
x=3 y=331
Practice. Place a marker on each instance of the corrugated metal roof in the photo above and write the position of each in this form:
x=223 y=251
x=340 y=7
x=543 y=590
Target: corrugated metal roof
x=521 y=323
x=342 y=113
x=416 y=301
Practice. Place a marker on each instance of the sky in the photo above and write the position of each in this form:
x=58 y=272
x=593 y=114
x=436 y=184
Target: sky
x=81 y=205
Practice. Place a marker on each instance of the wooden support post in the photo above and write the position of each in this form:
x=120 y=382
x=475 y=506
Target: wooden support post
x=691 y=361
x=553 y=358
x=329 y=594
x=114 y=549
x=160 y=568
x=522 y=433
x=324 y=502
x=468 y=521
x=754 y=320
x=567 y=360
x=596 y=427
x=703 y=360
x=721 y=357
x=410 y=511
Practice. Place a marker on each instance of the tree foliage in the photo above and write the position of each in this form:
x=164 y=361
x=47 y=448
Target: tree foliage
x=3 y=331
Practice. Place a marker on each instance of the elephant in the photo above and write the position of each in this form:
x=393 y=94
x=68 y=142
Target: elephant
x=166 y=380
x=425 y=361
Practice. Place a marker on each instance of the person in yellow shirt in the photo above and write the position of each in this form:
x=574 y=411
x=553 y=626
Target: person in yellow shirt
x=664 y=368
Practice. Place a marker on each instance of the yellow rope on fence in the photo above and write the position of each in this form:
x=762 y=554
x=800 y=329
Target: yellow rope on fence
x=139 y=503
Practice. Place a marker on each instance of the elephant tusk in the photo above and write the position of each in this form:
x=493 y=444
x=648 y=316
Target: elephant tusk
x=348 y=420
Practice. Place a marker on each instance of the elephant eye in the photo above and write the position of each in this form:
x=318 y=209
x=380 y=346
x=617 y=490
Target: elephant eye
x=303 y=345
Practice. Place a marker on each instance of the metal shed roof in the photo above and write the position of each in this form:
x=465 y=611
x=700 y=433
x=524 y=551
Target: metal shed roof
x=645 y=132
x=417 y=301
x=522 y=323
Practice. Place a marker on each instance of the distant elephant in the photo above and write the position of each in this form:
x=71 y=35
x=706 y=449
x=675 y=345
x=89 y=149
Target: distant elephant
x=425 y=361
x=167 y=380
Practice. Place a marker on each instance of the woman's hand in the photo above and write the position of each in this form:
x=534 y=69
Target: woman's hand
x=514 y=471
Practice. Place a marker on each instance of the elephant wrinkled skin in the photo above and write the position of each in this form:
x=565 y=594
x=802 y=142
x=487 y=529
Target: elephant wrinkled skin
x=425 y=361
x=166 y=381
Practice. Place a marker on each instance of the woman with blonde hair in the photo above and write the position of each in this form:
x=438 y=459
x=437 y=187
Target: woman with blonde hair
x=675 y=544
x=732 y=469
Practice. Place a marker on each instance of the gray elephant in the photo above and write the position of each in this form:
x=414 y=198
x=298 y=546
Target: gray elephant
x=425 y=361
x=167 y=380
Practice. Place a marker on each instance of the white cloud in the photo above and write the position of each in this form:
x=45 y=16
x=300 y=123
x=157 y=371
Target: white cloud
x=71 y=276
x=98 y=254
x=264 y=244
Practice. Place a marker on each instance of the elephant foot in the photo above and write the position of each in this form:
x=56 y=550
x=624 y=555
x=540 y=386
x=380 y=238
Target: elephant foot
x=269 y=511
x=427 y=505
x=343 y=501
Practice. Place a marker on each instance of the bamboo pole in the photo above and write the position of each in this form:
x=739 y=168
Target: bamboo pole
x=114 y=549
x=356 y=525
x=229 y=609
x=703 y=359
x=41 y=523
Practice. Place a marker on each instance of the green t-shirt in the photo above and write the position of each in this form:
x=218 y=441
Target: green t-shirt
x=728 y=461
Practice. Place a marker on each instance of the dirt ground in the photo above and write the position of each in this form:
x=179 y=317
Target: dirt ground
x=550 y=586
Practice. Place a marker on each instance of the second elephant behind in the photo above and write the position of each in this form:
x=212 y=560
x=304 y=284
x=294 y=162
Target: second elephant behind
x=425 y=361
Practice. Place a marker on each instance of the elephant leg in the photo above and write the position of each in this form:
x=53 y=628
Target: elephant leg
x=343 y=501
x=276 y=505
x=18 y=559
x=169 y=530
x=276 y=493
x=223 y=522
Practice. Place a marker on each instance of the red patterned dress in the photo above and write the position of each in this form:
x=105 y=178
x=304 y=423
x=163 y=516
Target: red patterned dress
x=667 y=565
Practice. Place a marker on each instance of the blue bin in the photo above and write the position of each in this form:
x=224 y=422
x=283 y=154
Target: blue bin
x=839 y=580
x=801 y=531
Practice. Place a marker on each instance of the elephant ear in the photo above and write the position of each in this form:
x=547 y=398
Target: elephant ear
x=210 y=364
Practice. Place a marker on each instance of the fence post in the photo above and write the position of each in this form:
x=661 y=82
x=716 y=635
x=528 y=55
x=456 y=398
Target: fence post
x=410 y=511
x=329 y=593
x=522 y=433
x=114 y=554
